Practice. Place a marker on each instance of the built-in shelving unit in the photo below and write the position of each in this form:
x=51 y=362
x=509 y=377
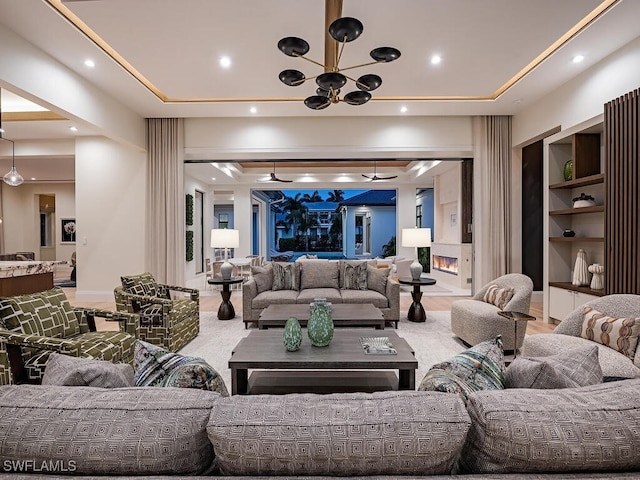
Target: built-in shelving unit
x=582 y=146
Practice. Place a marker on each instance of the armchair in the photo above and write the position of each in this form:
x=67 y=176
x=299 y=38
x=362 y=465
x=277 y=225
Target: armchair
x=569 y=334
x=34 y=325
x=164 y=321
x=477 y=320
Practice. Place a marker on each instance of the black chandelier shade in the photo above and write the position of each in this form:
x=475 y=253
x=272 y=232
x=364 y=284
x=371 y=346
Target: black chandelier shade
x=342 y=30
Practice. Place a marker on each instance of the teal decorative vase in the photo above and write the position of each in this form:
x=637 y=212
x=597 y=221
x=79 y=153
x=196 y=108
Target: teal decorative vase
x=567 y=171
x=292 y=335
x=320 y=325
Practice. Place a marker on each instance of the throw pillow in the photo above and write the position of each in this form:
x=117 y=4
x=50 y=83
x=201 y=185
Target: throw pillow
x=354 y=276
x=156 y=367
x=263 y=277
x=577 y=367
x=143 y=284
x=285 y=276
x=377 y=279
x=86 y=372
x=479 y=368
x=498 y=296
x=621 y=334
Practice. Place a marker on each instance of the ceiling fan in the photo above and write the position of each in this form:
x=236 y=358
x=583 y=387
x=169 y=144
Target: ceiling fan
x=375 y=176
x=274 y=178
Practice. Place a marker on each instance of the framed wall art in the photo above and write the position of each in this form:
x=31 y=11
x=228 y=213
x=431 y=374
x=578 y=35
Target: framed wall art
x=68 y=230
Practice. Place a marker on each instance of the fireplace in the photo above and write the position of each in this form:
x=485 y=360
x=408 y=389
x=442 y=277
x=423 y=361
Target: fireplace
x=445 y=264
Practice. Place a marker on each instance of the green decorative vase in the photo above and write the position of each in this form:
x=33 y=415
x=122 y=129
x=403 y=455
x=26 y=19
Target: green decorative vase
x=567 y=171
x=320 y=325
x=292 y=336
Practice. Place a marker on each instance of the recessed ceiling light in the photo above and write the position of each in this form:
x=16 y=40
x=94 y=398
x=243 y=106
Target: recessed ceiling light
x=436 y=59
x=1 y=130
x=403 y=109
x=73 y=129
x=578 y=58
x=225 y=62
x=213 y=178
x=253 y=109
x=33 y=178
x=89 y=63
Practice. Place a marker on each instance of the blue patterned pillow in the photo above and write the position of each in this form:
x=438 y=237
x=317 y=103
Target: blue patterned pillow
x=156 y=367
x=479 y=368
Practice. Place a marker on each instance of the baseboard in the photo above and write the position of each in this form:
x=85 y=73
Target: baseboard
x=537 y=296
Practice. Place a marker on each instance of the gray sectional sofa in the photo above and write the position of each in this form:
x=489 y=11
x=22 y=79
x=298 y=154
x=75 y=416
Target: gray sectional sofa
x=586 y=432
x=324 y=279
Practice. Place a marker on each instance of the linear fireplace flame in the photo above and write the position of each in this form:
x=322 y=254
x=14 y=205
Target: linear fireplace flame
x=445 y=264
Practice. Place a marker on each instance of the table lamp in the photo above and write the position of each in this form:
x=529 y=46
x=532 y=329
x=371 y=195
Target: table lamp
x=416 y=237
x=225 y=238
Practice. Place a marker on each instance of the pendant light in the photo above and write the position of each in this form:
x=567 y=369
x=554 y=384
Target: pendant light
x=12 y=177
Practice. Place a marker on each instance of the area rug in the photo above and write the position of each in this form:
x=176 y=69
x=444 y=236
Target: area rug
x=432 y=341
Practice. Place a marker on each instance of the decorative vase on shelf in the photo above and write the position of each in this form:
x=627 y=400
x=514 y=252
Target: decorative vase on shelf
x=597 y=280
x=584 y=200
x=567 y=171
x=320 y=325
x=568 y=233
x=580 y=270
x=292 y=335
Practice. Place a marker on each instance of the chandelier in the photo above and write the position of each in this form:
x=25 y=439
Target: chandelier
x=342 y=30
x=12 y=177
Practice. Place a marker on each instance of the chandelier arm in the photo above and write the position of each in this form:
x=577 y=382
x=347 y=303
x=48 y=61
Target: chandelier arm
x=309 y=60
x=342 y=44
x=358 y=66
x=358 y=84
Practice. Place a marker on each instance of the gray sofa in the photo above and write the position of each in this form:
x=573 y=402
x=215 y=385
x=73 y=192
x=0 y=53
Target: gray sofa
x=586 y=432
x=324 y=279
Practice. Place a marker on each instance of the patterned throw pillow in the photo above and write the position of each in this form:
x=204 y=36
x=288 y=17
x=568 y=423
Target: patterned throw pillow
x=285 y=276
x=621 y=334
x=156 y=367
x=577 y=367
x=498 y=296
x=86 y=372
x=143 y=284
x=478 y=368
x=354 y=276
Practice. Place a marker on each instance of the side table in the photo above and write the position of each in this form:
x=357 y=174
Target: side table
x=516 y=317
x=416 y=311
x=226 y=310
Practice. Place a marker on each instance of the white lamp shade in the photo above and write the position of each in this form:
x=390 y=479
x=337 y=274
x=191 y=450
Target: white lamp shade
x=416 y=237
x=225 y=238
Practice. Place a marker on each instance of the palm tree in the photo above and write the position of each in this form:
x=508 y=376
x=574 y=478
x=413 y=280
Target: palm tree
x=336 y=196
x=306 y=223
x=295 y=211
x=313 y=198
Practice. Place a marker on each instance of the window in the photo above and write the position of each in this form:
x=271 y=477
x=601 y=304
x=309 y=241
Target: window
x=223 y=220
x=419 y=216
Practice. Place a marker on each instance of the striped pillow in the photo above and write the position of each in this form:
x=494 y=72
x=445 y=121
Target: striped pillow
x=285 y=276
x=354 y=277
x=620 y=334
x=498 y=296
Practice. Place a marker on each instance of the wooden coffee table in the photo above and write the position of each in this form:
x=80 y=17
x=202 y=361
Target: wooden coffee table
x=343 y=314
x=342 y=366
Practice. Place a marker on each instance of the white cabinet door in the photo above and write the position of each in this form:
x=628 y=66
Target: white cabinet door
x=561 y=302
x=582 y=298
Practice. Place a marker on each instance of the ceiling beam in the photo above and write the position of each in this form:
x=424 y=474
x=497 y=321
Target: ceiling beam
x=332 y=11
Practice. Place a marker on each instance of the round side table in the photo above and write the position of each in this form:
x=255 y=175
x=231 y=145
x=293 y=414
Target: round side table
x=416 y=311
x=226 y=310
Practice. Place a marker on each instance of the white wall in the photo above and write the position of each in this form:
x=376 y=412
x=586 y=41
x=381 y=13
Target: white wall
x=336 y=137
x=21 y=217
x=110 y=214
x=583 y=97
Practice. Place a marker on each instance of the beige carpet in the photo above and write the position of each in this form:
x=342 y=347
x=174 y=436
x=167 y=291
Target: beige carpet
x=432 y=341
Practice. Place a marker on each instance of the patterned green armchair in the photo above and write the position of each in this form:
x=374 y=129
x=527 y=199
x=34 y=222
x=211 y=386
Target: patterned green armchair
x=34 y=325
x=164 y=321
